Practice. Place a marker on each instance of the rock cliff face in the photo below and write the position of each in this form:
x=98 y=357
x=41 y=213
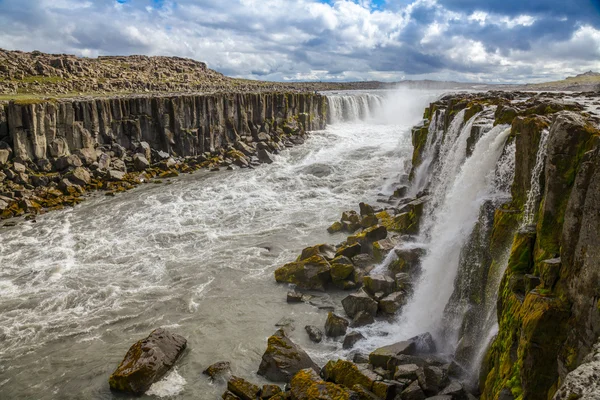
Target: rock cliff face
x=182 y=125
x=548 y=300
x=52 y=151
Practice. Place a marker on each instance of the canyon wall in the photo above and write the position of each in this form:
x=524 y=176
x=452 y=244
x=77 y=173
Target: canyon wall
x=186 y=125
x=538 y=259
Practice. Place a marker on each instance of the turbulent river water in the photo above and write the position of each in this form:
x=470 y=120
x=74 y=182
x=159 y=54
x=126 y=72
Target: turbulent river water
x=196 y=256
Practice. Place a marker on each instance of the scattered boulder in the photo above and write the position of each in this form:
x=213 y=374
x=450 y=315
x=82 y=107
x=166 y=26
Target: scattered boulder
x=314 y=333
x=347 y=373
x=311 y=273
x=413 y=392
x=351 y=339
x=392 y=303
x=79 y=176
x=147 y=361
x=362 y=318
x=283 y=358
x=294 y=297
x=264 y=156
x=218 y=369
x=335 y=325
x=307 y=385
x=359 y=301
x=379 y=283
x=381 y=356
x=140 y=162
x=269 y=391
x=242 y=388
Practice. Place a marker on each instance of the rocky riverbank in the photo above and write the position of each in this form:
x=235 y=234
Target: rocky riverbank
x=52 y=153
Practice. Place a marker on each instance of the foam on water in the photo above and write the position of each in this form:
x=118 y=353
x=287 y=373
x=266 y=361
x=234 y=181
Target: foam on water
x=171 y=385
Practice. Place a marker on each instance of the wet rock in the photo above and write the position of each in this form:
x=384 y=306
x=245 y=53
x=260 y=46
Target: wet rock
x=294 y=297
x=432 y=380
x=286 y=323
x=242 y=388
x=341 y=268
x=147 y=361
x=349 y=250
x=375 y=233
x=140 y=162
x=314 y=333
x=362 y=318
x=115 y=175
x=4 y=156
x=335 y=227
x=269 y=391
x=381 y=356
x=335 y=325
x=79 y=176
x=364 y=393
x=264 y=156
x=366 y=209
x=407 y=371
x=229 y=396
x=65 y=162
x=359 y=301
x=413 y=392
x=455 y=391
x=351 y=339
x=283 y=358
x=360 y=358
x=324 y=250
x=218 y=369
x=346 y=373
x=424 y=343
x=311 y=273
x=392 y=303
x=379 y=283
x=307 y=385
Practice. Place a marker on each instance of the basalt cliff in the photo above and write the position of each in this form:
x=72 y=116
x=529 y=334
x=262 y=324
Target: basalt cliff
x=52 y=151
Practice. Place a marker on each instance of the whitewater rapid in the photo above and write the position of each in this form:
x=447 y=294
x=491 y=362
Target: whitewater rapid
x=195 y=255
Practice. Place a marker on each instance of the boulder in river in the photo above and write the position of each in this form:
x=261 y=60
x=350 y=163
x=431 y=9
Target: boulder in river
x=283 y=359
x=335 y=325
x=314 y=333
x=308 y=385
x=218 y=369
x=351 y=339
x=147 y=361
x=242 y=388
x=359 y=301
x=311 y=273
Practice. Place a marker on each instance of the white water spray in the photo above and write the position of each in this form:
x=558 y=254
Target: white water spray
x=455 y=219
x=534 y=192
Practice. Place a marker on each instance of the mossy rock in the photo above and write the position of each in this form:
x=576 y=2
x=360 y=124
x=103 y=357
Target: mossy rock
x=283 y=359
x=521 y=253
x=147 y=361
x=348 y=374
x=242 y=388
x=307 y=385
x=341 y=268
x=335 y=227
x=311 y=273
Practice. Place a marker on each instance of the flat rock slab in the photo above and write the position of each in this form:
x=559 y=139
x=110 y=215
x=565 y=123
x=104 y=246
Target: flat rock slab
x=147 y=361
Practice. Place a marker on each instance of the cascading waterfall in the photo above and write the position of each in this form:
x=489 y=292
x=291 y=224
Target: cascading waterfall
x=533 y=195
x=461 y=200
x=470 y=319
x=353 y=107
x=435 y=135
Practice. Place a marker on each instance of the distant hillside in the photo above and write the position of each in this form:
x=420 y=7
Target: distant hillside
x=588 y=81
x=37 y=74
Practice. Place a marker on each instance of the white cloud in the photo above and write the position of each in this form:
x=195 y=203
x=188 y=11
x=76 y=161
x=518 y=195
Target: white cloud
x=305 y=39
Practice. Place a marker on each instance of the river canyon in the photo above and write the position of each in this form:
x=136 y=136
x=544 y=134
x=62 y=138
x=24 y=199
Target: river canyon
x=195 y=254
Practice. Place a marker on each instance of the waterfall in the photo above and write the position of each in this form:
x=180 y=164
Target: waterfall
x=435 y=135
x=353 y=107
x=451 y=224
x=451 y=156
x=534 y=192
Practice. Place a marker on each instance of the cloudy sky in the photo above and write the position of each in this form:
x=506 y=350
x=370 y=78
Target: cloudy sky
x=464 y=40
